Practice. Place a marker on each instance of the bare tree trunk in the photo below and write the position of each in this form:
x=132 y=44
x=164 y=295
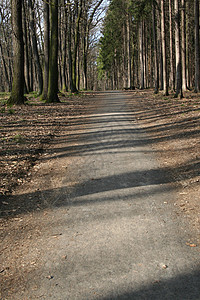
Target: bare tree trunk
x=156 y=75
x=141 y=55
x=144 y=54
x=197 y=49
x=76 y=44
x=128 y=49
x=26 y=56
x=35 y=48
x=69 y=40
x=183 y=46
x=160 y=54
x=125 y=55
x=163 y=34
x=178 y=50
x=4 y=68
x=9 y=55
x=64 y=48
x=53 y=54
x=171 y=76
x=46 y=50
x=17 y=93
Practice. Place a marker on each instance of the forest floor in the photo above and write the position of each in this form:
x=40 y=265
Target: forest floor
x=174 y=127
x=26 y=131
x=29 y=132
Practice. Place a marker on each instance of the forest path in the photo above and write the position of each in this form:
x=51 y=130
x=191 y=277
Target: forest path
x=111 y=230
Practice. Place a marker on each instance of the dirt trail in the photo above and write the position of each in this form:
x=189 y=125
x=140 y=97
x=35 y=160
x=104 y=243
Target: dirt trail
x=104 y=224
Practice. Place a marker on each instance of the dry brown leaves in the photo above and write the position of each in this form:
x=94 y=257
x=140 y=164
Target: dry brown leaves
x=26 y=130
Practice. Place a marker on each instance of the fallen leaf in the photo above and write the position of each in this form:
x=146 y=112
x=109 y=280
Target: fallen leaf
x=191 y=245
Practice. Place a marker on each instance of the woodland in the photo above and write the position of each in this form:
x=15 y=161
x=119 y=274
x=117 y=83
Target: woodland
x=96 y=44
x=63 y=51
x=60 y=61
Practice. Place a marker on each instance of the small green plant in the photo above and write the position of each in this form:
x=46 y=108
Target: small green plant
x=11 y=111
x=18 y=138
x=3 y=110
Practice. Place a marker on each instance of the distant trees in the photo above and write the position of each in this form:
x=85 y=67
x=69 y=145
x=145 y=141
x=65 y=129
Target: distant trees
x=164 y=44
x=47 y=46
x=56 y=42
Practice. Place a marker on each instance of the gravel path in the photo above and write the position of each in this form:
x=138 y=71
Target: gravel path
x=116 y=234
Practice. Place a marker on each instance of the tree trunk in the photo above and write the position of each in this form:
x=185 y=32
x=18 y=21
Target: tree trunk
x=171 y=75
x=46 y=50
x=35 y=48
x=163 y=34
x=128 y=49
x=64 y=85
x=5 y=72
x=26 y=56
x=69 y=39
x=178 y=50
x=53 y=54
x=125 y=56
x=156 y=72
x=160 y=54
x=141 y=55
x=76 y=44
x=183 y=46
x=197 y=75
x=17 y=93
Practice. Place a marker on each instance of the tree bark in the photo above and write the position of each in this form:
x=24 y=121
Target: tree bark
x=26 y=55
x=5 y=72
x=156 y=71
x=171 y=75
x=178 y=50
x=53 y=54
x=163 y=34
x=197 y=49
x=183 y=46
x=76 y=43
x=69 y=39
x=46 y=50
x=35 y=48
x=17 y=93
x=128 y=49
x=141 y=55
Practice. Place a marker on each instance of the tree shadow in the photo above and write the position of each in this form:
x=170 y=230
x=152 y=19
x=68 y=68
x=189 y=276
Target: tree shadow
x=182 y=287
x=130 y=186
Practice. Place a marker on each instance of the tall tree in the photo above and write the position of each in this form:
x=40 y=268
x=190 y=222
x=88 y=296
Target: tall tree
x=164 y=51
x=76 y=44
x=156 y=67
x=17 y=93
x=53 y=55
x=197 y=49
x=171 y=74
x=178 y=50
x=141 y=39
x=35 y=47
x=183 y=45
x=46 y=50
